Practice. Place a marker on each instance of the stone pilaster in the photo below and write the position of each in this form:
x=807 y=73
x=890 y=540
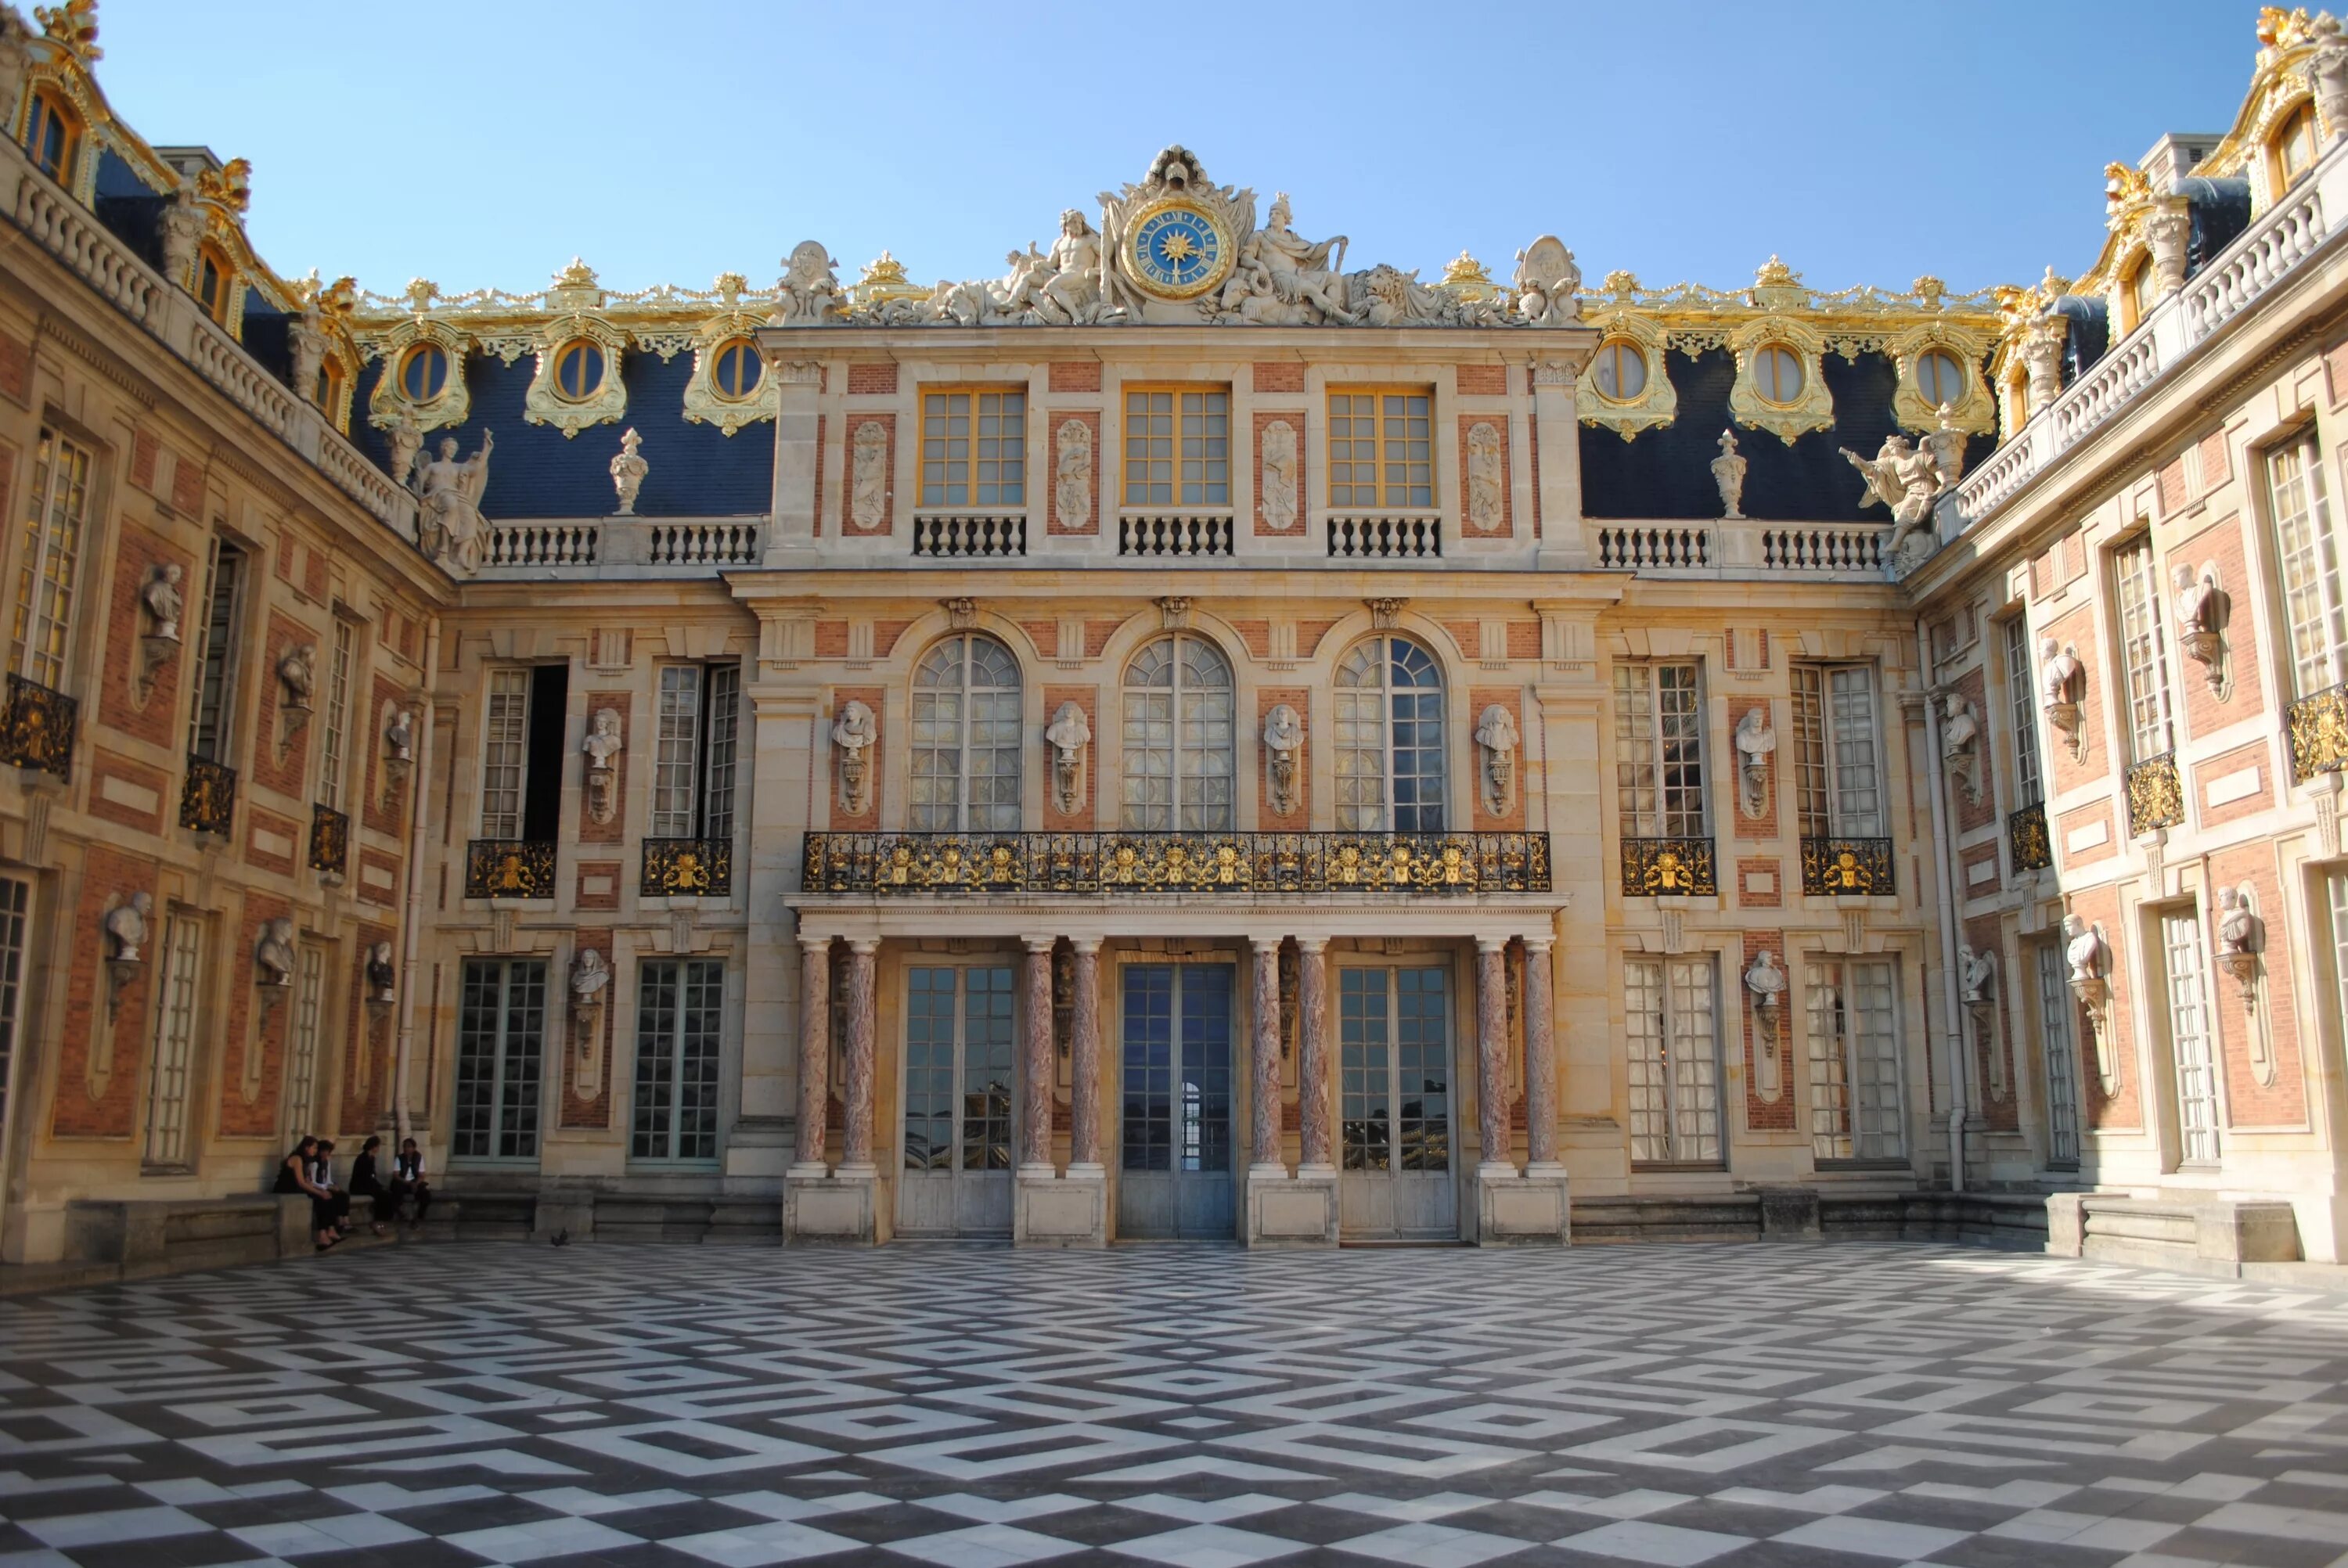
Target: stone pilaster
x=1313 y=1064
x=855 y=1146
x=1540 y=1057
x=1036 y=1060
x=1264 y=1155
x=815 y=1052
x=790 y=540
x=1494 y=1156
x=1084 y=1066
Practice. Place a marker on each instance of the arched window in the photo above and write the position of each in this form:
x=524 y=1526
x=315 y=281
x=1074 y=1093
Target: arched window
x=52 y=134
x=1390 y=766
x=215 y=283
x=578 y=370
x=966 y=737
x=1621 y=370
x=1939 y=377
x=1180 y=714
x=2293 y=147
x=737 y=370
x=423 y=372
x=1776 y=373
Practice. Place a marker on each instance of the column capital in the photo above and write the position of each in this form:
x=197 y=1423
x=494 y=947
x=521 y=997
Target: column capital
x=812 y=940
x=1040 y=944
x=1540 y=941
x=1263 y=943
x=1486 y=942
x=1086 y=944
x=1312 y=944
x=863 y=945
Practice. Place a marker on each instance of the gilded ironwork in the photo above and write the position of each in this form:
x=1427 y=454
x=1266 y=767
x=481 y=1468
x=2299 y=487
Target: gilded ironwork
x=1846 y=868
x=2028 y=839
x=1234 y=863
x=36 y=727
x=510 y=868
x=329 y=840
x=688 y=867
x=2155 y=796
x=1667 y=868
x=208 y=798
x=2319 y=734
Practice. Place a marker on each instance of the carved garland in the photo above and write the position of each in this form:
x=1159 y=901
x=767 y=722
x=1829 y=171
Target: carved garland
x=702 y=402
x=1658 y=403
x=386 y=403
x=1976 y=412
x=1813 y=409
x=605 y=406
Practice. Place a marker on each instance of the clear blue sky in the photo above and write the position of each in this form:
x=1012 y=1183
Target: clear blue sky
x=486 y=142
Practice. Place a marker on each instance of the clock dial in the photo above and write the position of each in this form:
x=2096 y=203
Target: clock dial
x=1179 y=252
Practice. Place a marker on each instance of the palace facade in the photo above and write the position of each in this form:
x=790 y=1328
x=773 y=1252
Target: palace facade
x=1196 y=737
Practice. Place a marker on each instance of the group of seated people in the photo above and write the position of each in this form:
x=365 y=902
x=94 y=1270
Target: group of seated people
x=310 y=1168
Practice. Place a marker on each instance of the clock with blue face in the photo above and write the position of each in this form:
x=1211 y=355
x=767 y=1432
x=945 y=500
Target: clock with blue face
x=1178 y=250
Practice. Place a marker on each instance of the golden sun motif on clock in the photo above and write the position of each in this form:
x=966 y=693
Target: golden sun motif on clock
x=1178 y=251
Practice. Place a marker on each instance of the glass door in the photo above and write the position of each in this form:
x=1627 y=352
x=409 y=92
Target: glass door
x=960 y=1044
x=501 y=1059
x=1175 y=1137
x=1394 y=1037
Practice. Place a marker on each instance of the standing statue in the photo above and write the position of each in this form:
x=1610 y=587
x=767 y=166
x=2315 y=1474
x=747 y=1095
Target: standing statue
x=1905 y=479
x=1728 y=474
x=272 y=955
x=1496 y=733
x=160 y=595
x=628 y=471
x=406 y=439
x=1069 y=734
x=854 y=733
x=1961 y=744
x=1072 y=480
x=1755 y=742
x=125 y=928
x=448 y=521
x=809 y=288
x=298 y=675
x=2327 y=74
x=183 y=230
x=601 y=748
x=15 y=60
x=1277 y=498
x=307 y=334
x=1283 y=738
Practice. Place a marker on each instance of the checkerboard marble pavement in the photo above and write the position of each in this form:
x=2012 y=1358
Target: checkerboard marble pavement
x=967 y=1407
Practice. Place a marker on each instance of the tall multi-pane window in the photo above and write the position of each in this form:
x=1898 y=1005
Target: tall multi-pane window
x=505 y=743
x=56 y=514
x=2189 y=1037
x=1854 y=1100
x=1177 y=447
x=1838 y=784
x=335 y=740
x=1669 y=1012
x=973 y=448
x=501 y=1041
x=2054 y=1009
x=1390 y=750
x=680 y=1011
x=175 y=1043
x=1180 y=716
x=2143 y=651
x=213 y=709
x=698 y=725
x=1381 y=449
x=2307 y=552
x=52 y=134
x=302 y=1058
x=2022 y=713
x=966 y=738
x=1659 y=750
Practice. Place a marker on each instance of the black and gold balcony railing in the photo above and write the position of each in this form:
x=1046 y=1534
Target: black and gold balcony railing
x=1846 y=868
x=208 y=797
x=1440 y=864
x=2319 y=734
x=510 y=868
x=2027 y=840
x=1668 y=868
x=330 y=841
x=2155 y=796
x=36 y=727
x=688 y=867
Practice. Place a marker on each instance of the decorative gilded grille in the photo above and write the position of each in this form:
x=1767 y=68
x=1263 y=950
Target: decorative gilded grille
x=1667 y=868
x=2156 y=796
x=36 y=727
x=1234 y=863
x=688 y=867
x=329 y=840
x=2319 y=734
x=1846 y=868
x=208 y=798
x=509 y=869
x=2026 y=836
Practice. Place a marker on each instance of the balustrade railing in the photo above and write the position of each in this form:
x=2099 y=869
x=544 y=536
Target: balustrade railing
x=1822 y=549
x=701 y=544
x=2027 y=840
x=208 y=797
x=1840 y=867
x=510 y=868
x=1658 y=546
x=688 y=867
x=973 y=536
x=1176 y=534
x=2318 y=729
x=1385 y=536
x=1668 y=868
x=36 y=728
x=2155 y=794
x=544 y=544
x=2104 y=390
x=1236 y=864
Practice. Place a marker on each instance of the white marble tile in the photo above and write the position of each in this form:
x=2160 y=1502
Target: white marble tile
x=1663 y=1545
x=1426 y=1544
x=1208 y=1546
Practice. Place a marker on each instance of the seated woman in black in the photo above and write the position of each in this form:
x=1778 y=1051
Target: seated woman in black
x=294 y=1176
x=366 y=1181
x=322 y=1175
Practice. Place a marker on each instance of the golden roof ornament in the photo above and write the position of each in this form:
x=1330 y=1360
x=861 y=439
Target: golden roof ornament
x=731 y=287
x=1928 y=291
x=1464 y=276
x=575 y=288
x=883 y=280
x=2124 y=186
x=230 y=186
x=1776 y=286
x=1621 y=283
x=419 y=294
x=73 y=24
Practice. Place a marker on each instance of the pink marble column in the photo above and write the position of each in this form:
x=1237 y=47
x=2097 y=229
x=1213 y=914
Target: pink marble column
x=856 y=1141
x=1035 y=1063
x=1492 y=1054
x=814 y=1053
x=1084 y=1066
x=1540 y=1054
x=1312 y=1063
x=1264 y=1092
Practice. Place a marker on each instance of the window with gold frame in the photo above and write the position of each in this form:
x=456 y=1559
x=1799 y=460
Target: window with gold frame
x=1177 y=446
x=1381 y=447
x=974 y=447
x=216 y=283
x=52 y=135
x=2290 y=151
x=2137 y=293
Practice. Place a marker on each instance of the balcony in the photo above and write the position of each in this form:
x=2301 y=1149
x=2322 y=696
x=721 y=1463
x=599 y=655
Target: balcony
x=2027 y=840
x=2319 y=734
x=36 y=728
x=208 y=797
x=1745 y=548
x=1846 y=868
x=2155 y=796
x=1174 y=535
x=970 y=535
x=688 y=868
x=330 y=841
x=510 y=868
x=1238 y=864
x=1668 y=868
x=1385 y=536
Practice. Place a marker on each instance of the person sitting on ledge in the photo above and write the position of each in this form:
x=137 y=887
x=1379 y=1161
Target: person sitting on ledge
x=408 y=1179
x=322 y=1175
x=294 y=1176
x=366 y=1181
